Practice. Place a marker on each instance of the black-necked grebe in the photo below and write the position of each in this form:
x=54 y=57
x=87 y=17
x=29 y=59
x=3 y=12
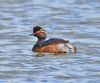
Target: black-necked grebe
x=53 y=45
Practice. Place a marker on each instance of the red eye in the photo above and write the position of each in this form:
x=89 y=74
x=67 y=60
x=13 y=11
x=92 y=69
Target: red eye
x=40 y=33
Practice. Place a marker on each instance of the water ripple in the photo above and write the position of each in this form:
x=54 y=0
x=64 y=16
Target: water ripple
x=75 y=20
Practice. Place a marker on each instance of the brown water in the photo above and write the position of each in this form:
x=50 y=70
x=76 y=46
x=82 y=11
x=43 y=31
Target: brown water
x=75 y=20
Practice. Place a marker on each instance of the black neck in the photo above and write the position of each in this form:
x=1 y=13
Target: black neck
x=40 y=40
x=38 y=43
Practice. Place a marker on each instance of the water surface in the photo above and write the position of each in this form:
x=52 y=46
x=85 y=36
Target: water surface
x=75 y=20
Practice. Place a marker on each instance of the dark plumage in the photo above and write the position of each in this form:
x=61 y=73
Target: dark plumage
x=53 y=45
x=37 y=28
x=53 y=41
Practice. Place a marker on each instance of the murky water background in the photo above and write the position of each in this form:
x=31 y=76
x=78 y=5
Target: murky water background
x=75 y=20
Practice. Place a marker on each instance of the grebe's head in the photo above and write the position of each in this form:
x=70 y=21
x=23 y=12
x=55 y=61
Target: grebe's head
x=39 y=32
